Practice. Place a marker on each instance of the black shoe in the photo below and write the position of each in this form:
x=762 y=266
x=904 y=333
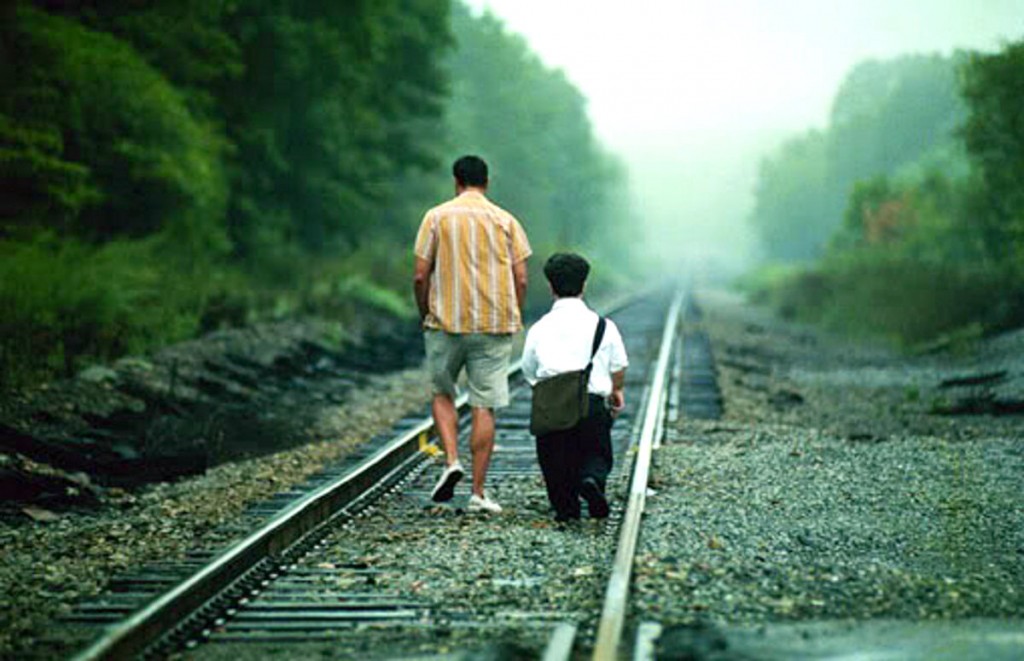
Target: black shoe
x=597 y=504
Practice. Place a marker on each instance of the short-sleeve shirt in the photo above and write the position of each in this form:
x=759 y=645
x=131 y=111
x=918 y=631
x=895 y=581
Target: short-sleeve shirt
x=472 y=244
x=561 y=341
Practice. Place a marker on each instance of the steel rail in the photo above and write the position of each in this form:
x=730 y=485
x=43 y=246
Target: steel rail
x=133 y=635
x=613 y=614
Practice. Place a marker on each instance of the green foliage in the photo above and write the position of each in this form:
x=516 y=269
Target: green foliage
x=176 y=166
x=185 y=39
x=791 y=203
x=331 y=288
x=905 y=300
x=886 y=116
x=66 y=303
x=762 y=284
x=906 y=265
x=40 y=187
x=993 y=86
x=932 y=239
x=867 y=197
x=359 y=290
x=331 y=108
x=531 y=124
x=118 y=152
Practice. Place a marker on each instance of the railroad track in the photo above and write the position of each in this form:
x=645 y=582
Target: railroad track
x=360 y=562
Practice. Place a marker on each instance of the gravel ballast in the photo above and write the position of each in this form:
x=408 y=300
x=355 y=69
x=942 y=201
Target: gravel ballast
x=754 y=523
x=49 y=566
x=829 y=492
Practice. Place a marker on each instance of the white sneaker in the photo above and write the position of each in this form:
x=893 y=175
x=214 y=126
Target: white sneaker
x=483 y=504
x=445 y=488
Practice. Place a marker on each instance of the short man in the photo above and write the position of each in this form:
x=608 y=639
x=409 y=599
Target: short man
x=576 y=462
x=470 y=284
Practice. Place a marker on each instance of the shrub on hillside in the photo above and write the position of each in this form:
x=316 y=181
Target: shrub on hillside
x=908 y=300
x=67 y=304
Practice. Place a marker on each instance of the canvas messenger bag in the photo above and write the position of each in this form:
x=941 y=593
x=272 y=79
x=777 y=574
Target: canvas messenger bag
x=561 y=401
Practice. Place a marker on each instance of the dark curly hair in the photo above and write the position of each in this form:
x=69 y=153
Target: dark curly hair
x=566 y=272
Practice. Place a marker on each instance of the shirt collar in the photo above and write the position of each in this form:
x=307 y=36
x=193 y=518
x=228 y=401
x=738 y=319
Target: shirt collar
x=568 y=303
x=471 y=192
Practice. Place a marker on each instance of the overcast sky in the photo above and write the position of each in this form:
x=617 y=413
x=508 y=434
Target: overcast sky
x=690 y=93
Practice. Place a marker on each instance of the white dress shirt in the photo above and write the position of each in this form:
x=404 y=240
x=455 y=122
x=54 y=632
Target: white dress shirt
x=561 y=340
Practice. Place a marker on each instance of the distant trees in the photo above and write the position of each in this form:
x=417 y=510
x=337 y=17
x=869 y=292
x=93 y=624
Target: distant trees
x=886 y=116
x=923 y=162
x=531 y=123
x=280 y=128
x=175 y=165
x=274 y=123
x=792 y=199
x=994 y=137
x=330 y=109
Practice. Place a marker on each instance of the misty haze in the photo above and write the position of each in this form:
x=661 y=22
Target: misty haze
x=512 y=329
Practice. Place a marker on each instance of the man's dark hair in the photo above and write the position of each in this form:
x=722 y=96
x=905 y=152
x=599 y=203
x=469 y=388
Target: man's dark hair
x=470 y=171
x=566 y=272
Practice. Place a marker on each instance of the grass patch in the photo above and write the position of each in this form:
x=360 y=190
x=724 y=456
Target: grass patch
x=68 y=304
x=913 y=303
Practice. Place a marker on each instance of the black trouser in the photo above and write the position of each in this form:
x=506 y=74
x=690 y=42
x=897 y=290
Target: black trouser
x=568 y=457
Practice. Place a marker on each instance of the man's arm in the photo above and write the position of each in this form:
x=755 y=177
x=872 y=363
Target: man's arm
x=421 y=285
x=618 y=396
x=519 y=276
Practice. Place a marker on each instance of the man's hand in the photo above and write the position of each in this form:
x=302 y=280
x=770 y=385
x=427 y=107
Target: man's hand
x=617 y=401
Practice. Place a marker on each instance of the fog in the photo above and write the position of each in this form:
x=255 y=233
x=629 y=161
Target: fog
x=692 y=94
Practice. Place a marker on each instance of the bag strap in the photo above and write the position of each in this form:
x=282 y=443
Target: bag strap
x=585 y=374
x=598 y=336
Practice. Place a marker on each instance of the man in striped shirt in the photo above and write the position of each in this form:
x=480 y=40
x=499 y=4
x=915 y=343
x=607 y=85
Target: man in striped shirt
x=470 y=285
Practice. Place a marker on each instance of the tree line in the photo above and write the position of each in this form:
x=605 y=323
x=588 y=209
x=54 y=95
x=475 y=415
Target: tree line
x=905 y=216
x=178 y=165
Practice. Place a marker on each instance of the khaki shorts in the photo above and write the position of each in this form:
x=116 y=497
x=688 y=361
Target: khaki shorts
x=485 y=357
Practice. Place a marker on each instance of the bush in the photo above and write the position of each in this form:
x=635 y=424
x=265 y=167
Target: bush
x=762 y=285
x=375 y=276
x=67 y=304
x=906 y=300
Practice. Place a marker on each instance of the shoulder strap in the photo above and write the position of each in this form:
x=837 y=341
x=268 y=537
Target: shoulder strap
x=598 y=336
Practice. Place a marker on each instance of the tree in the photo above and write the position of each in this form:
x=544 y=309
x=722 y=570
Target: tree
x=791 y=206
x=531 y=123
x=885 y=117
x=329 y=111
x=98 y=142
x=993 y=86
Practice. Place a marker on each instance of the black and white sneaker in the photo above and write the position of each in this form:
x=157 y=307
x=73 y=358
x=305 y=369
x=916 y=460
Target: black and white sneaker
x=445 y=488
x=597 y=504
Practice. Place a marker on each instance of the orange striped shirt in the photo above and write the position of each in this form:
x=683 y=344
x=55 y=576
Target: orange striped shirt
x=472 y=244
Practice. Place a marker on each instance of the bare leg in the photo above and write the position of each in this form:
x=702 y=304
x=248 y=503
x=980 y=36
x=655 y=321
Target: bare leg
x=481 y=442
x=446 y=419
